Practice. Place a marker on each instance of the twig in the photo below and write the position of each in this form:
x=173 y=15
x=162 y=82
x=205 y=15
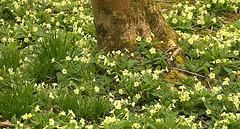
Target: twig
x=209 y=85
x=188 y=72
x=222 y=20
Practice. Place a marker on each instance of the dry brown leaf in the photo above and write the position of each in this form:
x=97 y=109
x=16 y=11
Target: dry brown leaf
x=5 y=124
x=185 y=76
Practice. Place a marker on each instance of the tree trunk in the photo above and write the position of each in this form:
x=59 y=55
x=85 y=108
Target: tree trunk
x=119 y=22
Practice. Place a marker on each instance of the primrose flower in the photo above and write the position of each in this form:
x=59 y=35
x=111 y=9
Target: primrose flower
x=70 y=112
x=51 y=95
x=225 y=83
x=96 y=89
x=62 y=113
x=1 y=78
x=57 y=24
x=152 y=50
x=125 y=72
x=149 y=39
x=118 y=106
x=24 y=117
x=236 y=53
x=52 y=60
x=136 y=84
x=221 y=1
x=48 y=10
x=68 y=58
x=152 y=111
x=208 y=111
x=208 y=5
x=214 y=20
x=37 y=108
x=64 y=71
x=218 y=61
x=120 y=91
x=155 y=76
x=224 y=127
x=75 y=10
x=89 y=126
x=35 y=29
x=138 y=38
x=118 y=52
x=10 y=70
x=136 y=125
x=74 y=122
x=138 y=96
x=75 y=58
x=211 y=75
x=219 y=97
x=174 y=21
x=51 y=121
x=76 y=91
x=82 y=121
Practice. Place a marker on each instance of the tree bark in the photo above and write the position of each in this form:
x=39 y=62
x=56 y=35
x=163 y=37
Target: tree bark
x=118 y=22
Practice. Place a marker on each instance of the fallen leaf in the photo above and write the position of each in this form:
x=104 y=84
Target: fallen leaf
x=5 y=124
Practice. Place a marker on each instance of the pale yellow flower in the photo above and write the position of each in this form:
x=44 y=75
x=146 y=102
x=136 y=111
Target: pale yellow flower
x=64 y=71
x=174 y=21
x=136 y=125
x=211 y=75
x=138 y=96
x=138 y=38
x=152 y=50
x=96 y=89
x=136 y=84
x=68 y=58
x=208 y=111
x=51 y=95
x=35 y=29
x=219 y=97
x=120 y=91
x=76 y=91
x=149 y=39
x=51 y=121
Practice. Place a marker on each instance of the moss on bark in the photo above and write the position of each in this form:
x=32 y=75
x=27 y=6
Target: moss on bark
x=117 y=28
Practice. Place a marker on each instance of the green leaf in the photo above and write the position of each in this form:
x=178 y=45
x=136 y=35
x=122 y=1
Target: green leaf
x=106 y=126
x=169 y=120
x=167 y=103
x=146 y=78
x=187 y=104
x=216 y=70
x=152 y=126
x=209 y=122
x=14 y=120
x=208 y=106
x=200 y=68
x=229 y=70
x=185 y=127
x=208 y=56
x=132 y=63
x=123 y=123
x=170 y=84
x=201 y=112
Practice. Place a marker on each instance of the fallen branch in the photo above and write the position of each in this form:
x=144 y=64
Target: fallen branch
x=222 y=20
x=199 y=75
x=209 y=85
